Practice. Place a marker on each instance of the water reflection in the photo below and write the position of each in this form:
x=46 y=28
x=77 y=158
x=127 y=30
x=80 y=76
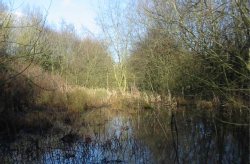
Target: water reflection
x=204 y=140
x=140 y=137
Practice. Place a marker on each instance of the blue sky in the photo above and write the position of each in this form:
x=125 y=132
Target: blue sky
x=81 y=13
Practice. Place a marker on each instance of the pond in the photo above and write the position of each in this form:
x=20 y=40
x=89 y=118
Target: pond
x=139 y=136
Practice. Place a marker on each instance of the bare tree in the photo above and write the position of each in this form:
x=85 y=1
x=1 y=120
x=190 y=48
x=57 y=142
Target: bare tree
x=217 y=32
x=118 y=30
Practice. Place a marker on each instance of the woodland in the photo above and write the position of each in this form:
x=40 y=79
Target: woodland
x=152 y=55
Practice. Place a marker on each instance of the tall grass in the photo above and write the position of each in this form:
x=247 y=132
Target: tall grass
x=36 y=99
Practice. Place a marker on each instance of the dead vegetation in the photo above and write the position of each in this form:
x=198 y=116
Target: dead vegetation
x=37 y=101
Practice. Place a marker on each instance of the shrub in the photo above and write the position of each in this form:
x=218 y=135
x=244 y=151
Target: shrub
x=77 y=99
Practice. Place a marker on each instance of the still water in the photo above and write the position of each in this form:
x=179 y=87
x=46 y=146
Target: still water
x=115 y=136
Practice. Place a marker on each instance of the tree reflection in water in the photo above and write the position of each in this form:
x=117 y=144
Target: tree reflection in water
x=154 y=137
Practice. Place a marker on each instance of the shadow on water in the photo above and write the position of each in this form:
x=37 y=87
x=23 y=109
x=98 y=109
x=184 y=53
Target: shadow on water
x=210 y=138
x=112 y=136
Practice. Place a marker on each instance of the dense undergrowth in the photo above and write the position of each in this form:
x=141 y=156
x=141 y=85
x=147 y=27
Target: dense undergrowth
x=37 y=102
x=36 y=99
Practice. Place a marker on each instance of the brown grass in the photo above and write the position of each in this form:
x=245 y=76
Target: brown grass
x=182 y=101
x=203 y=104
x=35 y=100
x=236 y=103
